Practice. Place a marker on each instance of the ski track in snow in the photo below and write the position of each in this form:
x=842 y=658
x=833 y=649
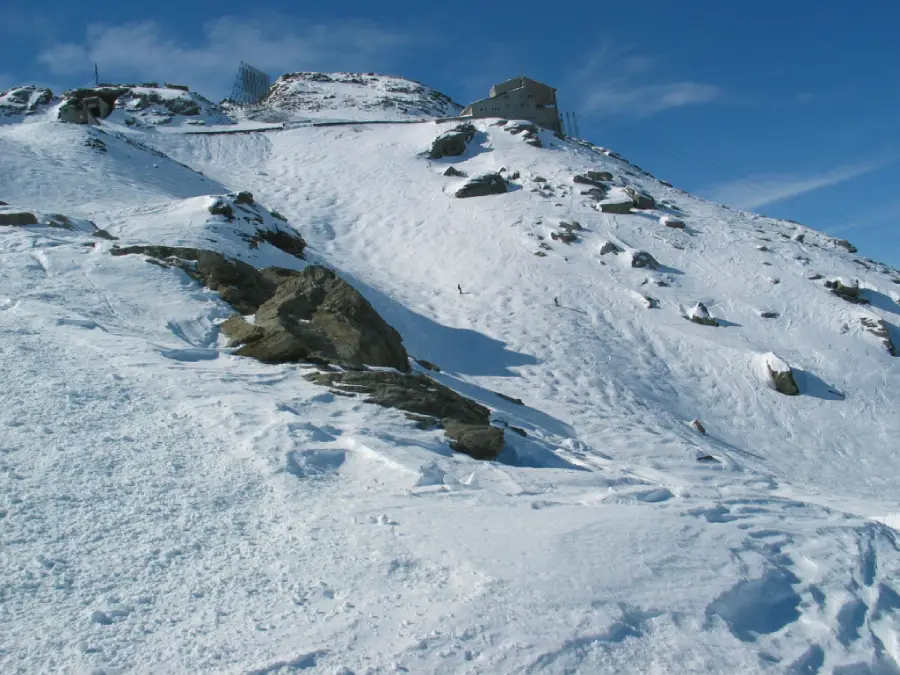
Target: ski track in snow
x=167 y=507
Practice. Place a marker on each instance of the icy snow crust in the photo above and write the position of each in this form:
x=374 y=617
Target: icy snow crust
x=167 y=507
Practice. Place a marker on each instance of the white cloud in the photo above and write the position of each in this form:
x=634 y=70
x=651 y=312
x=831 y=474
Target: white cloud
x=615 y=82
x=756 y=191
x=143 y=51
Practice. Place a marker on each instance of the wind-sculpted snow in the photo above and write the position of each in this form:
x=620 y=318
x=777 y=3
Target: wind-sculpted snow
x=169 y=506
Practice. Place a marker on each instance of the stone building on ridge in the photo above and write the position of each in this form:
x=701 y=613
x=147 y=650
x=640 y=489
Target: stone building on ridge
x=520 y=98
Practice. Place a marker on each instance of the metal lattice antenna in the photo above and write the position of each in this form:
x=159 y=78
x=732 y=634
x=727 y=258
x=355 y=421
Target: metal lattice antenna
x=250 y=86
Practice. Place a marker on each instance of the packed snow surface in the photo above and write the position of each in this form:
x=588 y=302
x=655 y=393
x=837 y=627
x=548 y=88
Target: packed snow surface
x=169 y=507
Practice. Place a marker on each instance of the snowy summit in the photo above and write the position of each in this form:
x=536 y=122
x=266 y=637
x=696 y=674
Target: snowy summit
x=413 y=392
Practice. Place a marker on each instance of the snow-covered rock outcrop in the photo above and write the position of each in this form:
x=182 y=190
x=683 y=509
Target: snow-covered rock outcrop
x=354 y=96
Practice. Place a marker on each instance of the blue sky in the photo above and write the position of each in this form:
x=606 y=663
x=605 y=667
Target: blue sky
x=785 y=108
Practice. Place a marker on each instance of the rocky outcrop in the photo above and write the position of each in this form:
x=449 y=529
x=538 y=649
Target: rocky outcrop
x=879 y=328
x=452 y=143
x=566 y=237
x=491 y=183
x=844 y=244
x=316 y=316
x=453 y=171
x=429 y=403
x=84 y=106
x=700 y=314
x=17 y=218
x=609 y=247
x=641 y=199
x=849 y=292
x=780 y=375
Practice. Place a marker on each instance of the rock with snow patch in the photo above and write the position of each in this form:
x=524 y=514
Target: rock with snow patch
x=220 y=207
x=619 y=206
x=700 y=314
x=642 y=200
x=609 y=247
x=491 y=183
x=849 y=292
x=448 y=144
x=843 y=243
x=643 y=259
x=781 y=375
x=879 y=328
x=565 y=237
x=15 y=218
x=672 y=221
x=453 y=171
x=465 y=422
x=599 y=175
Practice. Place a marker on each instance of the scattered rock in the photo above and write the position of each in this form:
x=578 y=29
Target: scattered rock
x=850 y=293
x=103 y=234
x=291 y=244
x=879 y=328
x=95 y=144
x=644 y=259
x=465 y=422
x=564 y=237
x=518 y=126
x=672 y=221
x=609 y=247
x=453 y=171
x=515 y=175
x=539 y=179
x=781 y=375
x=517 y=401
x=814 y=277
x=244 y=197
x=699 y=314
x=596 y=193
x=642 y=201
x=570 y=226
x=768 y=315
x=586 y=179
x=490 y=183
x=698 y=426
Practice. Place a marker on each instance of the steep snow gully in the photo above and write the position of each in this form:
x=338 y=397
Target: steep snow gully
x=665 y=501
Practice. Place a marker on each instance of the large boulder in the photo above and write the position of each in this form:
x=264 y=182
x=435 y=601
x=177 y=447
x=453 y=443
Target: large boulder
x=429 y=403
x=641 y=199
x=700 y=314
x=672 y=221
x=448 y=144
x=619 y=206
x=780 y=375
x=850 y=292
x=491 y=183
x=644 y=259
x=17 y=218
x=314 y=315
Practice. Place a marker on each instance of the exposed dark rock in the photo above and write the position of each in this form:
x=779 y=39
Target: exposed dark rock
x=782 y=376
x=570 y=225
x=428 y=365
x=289 y=243
x=539 y=179
x=609 y=247
x=597 y=193
x=518 y=126
x=465 y=422
x=316 y=316
x=671 y=221
x=644 y=259
x=491 y=183
x=620 y=207
x=843 y=243
x=517 y=401
x=95 y=144
x=814 y=277
x=586 y=179
x=18 y=218
x=221 y=208
x=599 y=175
x=698 y=426
x=453 y=171
x=564 y=237
x=699 y=314
x=642 y=200
x=240 y=285
x=769 y=315
x=879 y=328
x=845 y=292
x=103 y=234
x=448 y=144
x=244 y=197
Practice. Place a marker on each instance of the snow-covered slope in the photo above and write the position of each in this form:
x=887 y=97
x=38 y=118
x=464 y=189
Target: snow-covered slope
x=18 y=102
x=353 y=96
x=170 y=507
x=169 y=105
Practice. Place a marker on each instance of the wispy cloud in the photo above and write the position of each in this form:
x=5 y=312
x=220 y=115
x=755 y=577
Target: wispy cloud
x=756 y=191
x=144 y=51
x=617 y=83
